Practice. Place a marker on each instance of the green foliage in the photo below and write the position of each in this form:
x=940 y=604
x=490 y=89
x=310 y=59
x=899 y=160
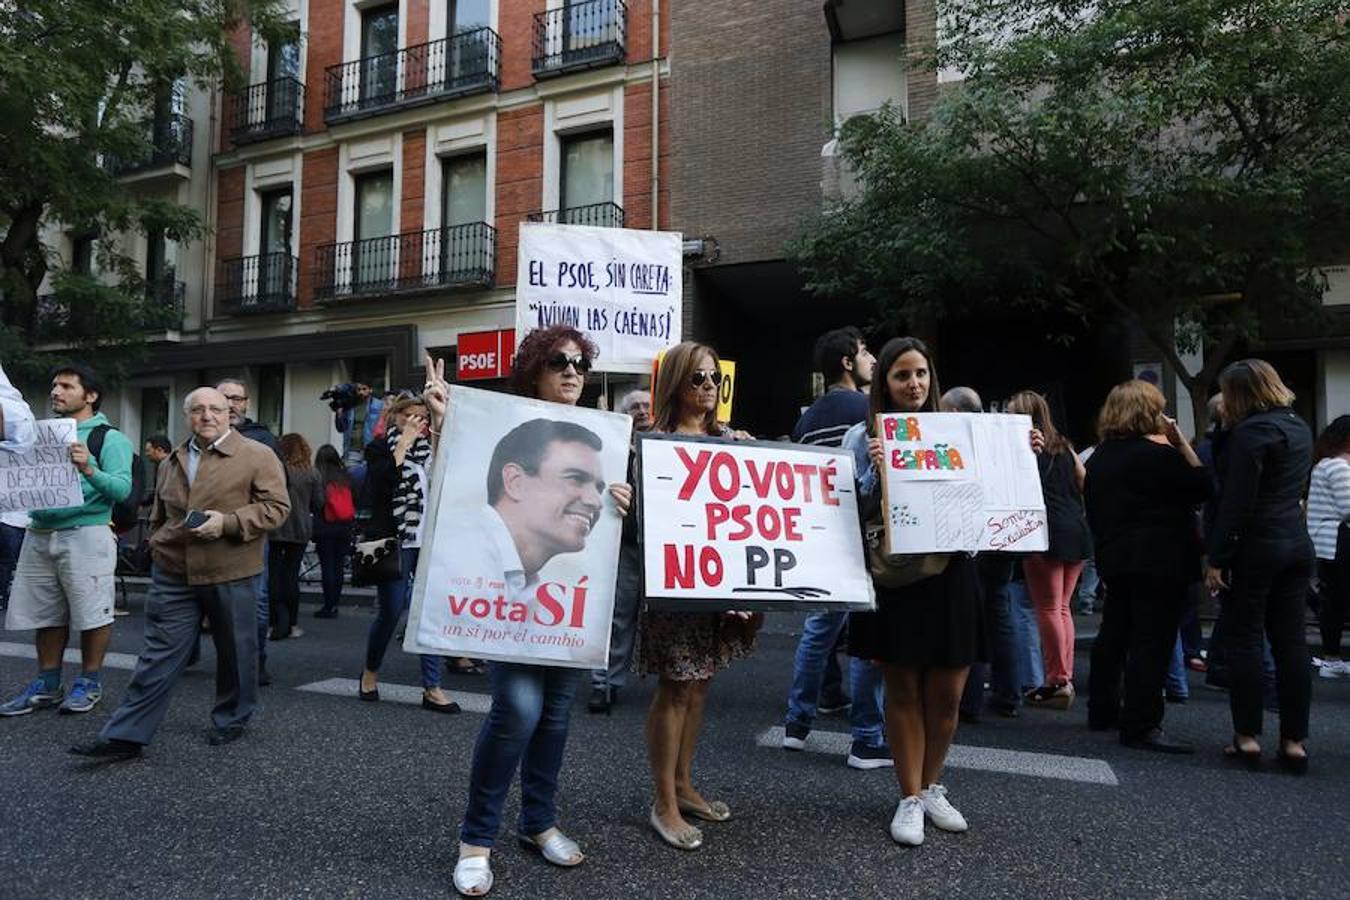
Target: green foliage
x=1135 y=158
x=79 y=81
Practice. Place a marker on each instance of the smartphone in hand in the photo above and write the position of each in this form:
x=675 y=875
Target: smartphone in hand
x=195 y=519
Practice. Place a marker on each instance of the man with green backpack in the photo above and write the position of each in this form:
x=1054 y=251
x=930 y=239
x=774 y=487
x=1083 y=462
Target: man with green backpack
x=64 y=579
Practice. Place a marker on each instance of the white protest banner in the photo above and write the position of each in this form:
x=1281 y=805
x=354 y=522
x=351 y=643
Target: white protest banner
x=960 y=481
x=749 y=525
x=622 y=287
x=44 y=477
x=520 y=547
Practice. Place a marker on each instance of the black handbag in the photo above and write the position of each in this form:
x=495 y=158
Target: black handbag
x=375 y=562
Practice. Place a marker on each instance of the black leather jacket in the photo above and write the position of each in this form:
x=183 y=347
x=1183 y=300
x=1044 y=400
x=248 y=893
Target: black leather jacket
x=1263 y=471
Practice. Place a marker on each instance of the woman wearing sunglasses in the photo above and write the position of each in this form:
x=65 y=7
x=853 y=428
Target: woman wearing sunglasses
x=684 y=650
x=526 y=728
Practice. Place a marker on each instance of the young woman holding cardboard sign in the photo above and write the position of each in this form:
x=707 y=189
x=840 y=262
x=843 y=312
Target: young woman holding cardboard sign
x=685 y=649
x=924 y=635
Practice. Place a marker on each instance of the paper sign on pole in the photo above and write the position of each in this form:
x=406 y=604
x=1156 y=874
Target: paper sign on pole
x=622 y=287
x=44 y=477
x=749 y=525
x=521 y=541
x=960 y=481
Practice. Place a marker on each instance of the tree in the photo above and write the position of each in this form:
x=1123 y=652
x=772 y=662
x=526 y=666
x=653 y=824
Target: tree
x=1181 y=164
x=80 y=83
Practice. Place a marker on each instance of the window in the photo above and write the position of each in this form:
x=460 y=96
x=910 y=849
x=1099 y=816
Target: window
x=82 y=254
x=587 y=177
x=154 y=413
x=269 y=407
x=283 y=72
x=157 y=268
x=467 y=15
x=372 y=259
x=464 y=209
x=468 y=58
x=274 y=244
x=379 y=47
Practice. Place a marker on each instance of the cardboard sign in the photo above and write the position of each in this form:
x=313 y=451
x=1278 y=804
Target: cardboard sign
x=749 y=525
x=960 y=481
x=485 y=354
x=726 y=391
x=521 y=542
x=623 y=288
x=44 y=477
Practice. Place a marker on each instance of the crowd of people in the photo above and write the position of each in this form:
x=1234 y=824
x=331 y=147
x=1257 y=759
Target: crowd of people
x=1254 y=515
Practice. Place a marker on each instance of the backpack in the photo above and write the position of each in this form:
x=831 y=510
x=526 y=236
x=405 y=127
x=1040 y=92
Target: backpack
x=125 y=512
x=337 y=505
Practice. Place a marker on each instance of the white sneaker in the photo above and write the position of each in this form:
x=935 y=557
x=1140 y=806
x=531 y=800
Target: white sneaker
x=907 y=823
x=943 y=814
x=1334 y=668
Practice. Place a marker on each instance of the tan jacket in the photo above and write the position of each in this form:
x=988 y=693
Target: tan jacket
x=238 y=477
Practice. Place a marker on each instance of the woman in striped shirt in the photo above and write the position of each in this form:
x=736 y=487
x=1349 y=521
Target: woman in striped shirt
x=1328 y=512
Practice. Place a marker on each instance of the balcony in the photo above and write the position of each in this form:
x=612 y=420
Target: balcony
x=257 y=284
x=170 y=144
x=56 y=317
x=457 y=66
x=602 y=215
x=579 y=36
x=271 y=109
x=457 y=256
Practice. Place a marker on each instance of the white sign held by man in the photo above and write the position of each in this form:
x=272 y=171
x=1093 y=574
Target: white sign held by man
x=521 y=543
x=741 y=525
x=960 y=481
x=44 y=477
x=621 y=287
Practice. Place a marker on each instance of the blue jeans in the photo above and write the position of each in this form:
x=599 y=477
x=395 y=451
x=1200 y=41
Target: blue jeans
x=1001 y=670
x=1026 y=638
x=1177 y=684
x=1088 y=583
x=11 y=542
x=394 y=596
x=820 y=631
x=526 y=728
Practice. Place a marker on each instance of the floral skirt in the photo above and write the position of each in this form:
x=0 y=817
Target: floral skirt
x=692 y=646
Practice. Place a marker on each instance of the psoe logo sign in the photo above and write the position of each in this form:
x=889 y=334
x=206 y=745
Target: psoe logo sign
x=485 y=354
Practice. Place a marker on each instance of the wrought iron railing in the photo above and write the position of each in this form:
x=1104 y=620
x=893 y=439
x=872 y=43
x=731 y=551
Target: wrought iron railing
x=604 y=215
x=460 y=255
x=579 y=36
x=271 y=109
x=257 y=284
x=464 y=63
x=170 y=142
x=57 y=317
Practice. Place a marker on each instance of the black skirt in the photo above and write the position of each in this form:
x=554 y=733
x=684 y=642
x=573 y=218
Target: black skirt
x=934 y=622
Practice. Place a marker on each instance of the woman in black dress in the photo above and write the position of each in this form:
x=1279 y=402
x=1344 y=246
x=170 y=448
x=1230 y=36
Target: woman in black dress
x=1260 y=552
x=924 y=635
x=1144 y=484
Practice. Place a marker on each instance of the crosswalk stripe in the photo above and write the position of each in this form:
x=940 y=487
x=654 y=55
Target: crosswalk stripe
x=28 y=651
x=399 y=693
x=986 y=759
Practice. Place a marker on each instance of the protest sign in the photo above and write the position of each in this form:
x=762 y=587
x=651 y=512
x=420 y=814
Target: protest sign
x=749 y=525
x=622 y=287
x=521 y=541
x=960 y=481
x=44 y=477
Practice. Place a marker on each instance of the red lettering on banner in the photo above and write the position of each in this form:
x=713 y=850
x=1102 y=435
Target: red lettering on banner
x=724 y=463
x=680 y=566
x=549 y=603
x=760 y=481
x=694 y=470
x=827 y=489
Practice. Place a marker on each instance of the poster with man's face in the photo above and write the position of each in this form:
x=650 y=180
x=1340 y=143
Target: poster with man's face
x=521 y=543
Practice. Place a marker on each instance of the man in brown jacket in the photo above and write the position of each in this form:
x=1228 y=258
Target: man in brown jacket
x=217 y=497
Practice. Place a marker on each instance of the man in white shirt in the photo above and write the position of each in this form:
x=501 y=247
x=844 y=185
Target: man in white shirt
x=17 y=435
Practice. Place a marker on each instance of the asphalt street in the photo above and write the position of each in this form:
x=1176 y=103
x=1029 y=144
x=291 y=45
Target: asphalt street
x=330 y=797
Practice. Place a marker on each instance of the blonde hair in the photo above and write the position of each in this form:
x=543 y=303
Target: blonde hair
x=677 y=366
x=1250 y=386
x=1132 y=409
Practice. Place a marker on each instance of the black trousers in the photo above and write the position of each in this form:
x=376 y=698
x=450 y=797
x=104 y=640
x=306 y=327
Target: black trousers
x=1137 y=637
x=1335 y=578
x=1268 y=601
x=283 y=585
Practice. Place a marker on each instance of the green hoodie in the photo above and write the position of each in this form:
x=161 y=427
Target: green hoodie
x=110 y=482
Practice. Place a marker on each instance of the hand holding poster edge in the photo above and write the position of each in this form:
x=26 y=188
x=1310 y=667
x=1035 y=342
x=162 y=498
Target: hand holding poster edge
x=803 y=598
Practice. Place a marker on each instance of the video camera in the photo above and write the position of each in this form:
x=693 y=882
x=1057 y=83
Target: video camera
x=344 y=396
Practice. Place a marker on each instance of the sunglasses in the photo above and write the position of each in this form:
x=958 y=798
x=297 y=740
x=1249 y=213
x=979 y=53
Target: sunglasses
x=699 y=377
x=561 y=361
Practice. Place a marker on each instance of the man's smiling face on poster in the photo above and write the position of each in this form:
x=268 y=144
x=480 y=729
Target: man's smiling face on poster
x=561 y=502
